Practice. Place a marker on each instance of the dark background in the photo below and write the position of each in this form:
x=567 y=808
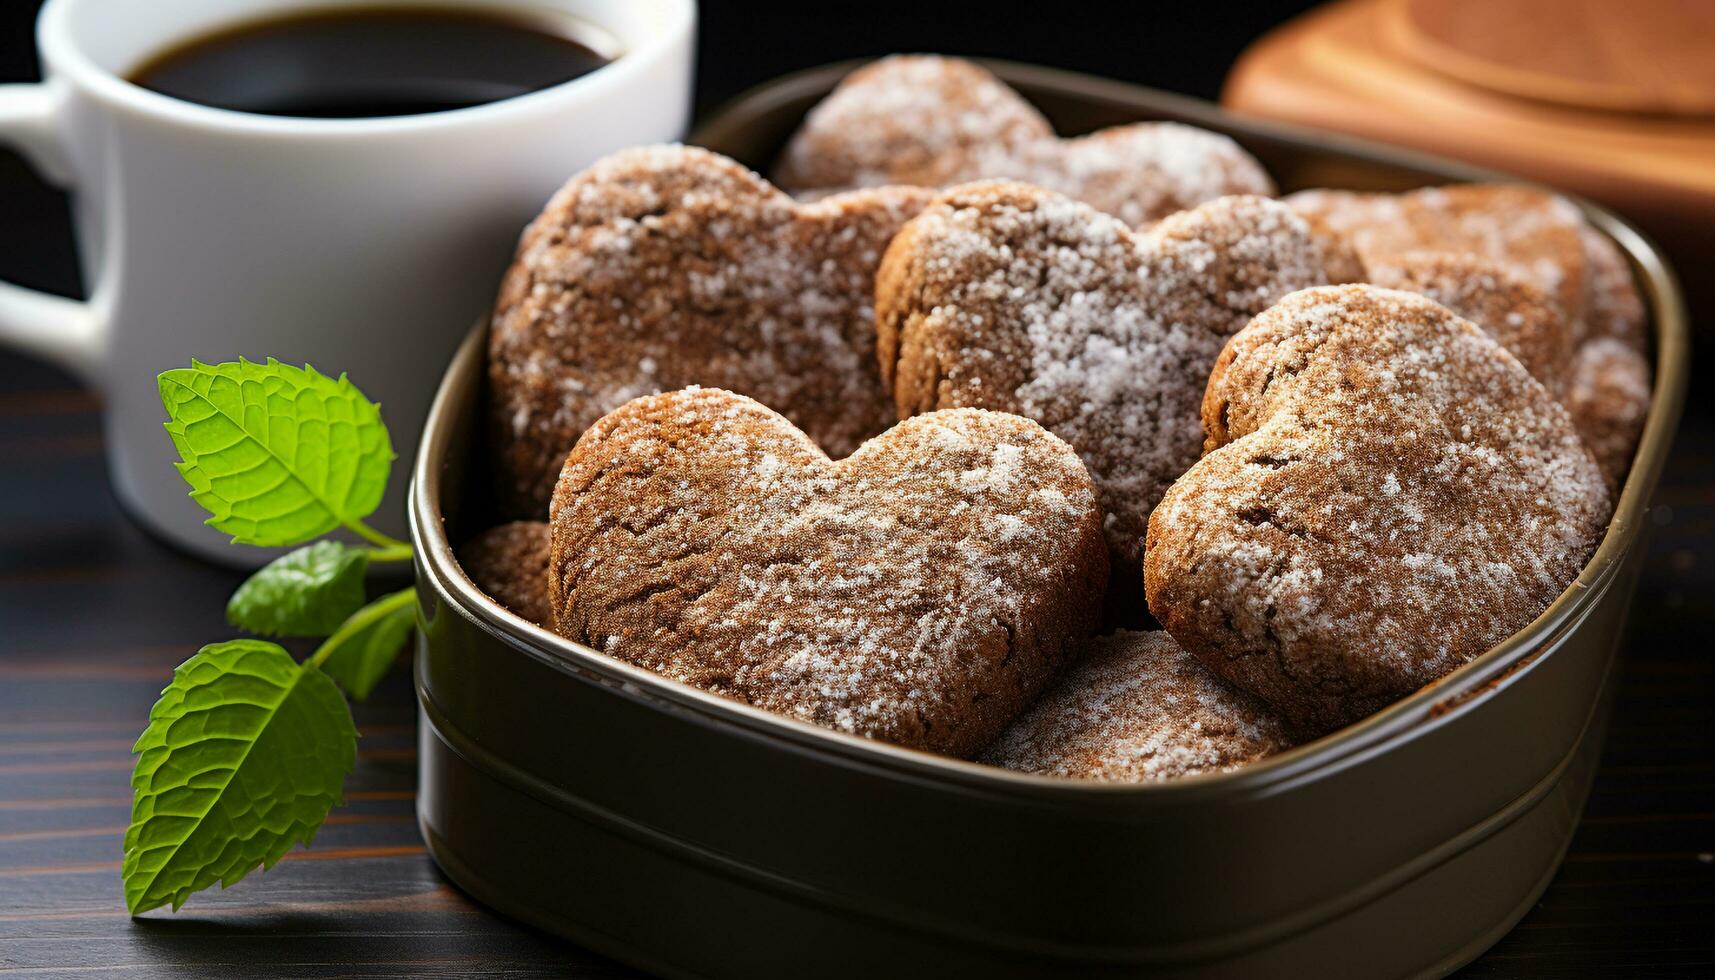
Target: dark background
x=92 y=613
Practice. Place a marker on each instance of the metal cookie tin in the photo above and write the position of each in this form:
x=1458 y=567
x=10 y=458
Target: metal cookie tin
x=694 y=836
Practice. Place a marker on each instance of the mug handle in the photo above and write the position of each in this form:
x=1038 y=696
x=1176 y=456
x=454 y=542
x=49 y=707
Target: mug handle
x=65 y=331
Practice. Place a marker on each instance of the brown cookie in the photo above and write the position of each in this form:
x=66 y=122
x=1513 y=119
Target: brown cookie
x=921 y=591
x=666 y=266
x=1508 y=306
x=1535 y=233
x=1613 y=307
x=1545 y=240
x=1011 y=298
x=509 y=563
x=1386 y=494
x=906 y=119
x=1609 y=396
x=1136 y=707
x=934 y=121
x=1611 y=376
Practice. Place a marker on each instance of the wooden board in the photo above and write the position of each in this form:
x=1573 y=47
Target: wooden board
x=1381 y=69
x=1637 y=56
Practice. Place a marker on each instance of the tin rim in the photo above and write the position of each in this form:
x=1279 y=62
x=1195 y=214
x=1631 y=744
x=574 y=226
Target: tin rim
x=1469 y=684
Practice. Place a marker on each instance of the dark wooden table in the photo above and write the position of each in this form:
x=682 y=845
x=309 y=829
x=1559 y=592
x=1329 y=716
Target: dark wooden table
x=94 y=614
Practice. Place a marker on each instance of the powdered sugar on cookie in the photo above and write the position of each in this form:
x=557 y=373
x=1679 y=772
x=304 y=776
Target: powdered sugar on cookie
x=1386 y=494
x=1614 y=308
x=1494 y=296
x=1611 y=376
x=1008 y=297
x=1544 y=240
x=1608 y=396
x=1136 y=707
x=906 y=119
x=1535 y=233
x=921 y=591
x=935 y=121
x=1138 y=173
x=666 y=266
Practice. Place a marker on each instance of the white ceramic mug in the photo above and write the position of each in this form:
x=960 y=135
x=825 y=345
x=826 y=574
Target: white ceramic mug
x=358 y=245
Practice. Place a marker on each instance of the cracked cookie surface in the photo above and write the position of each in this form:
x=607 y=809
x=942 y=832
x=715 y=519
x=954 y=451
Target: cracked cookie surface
x=1386 y=493
x=1008 y=297
x=921 y=591
x=935 y=121
x=667 y=266
x=1136 y=707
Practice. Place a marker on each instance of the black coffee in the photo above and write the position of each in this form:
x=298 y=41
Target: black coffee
x=345 y=63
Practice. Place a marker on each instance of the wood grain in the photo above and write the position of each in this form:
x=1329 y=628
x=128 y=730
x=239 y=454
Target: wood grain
x=1647 y=56
x=94 y=614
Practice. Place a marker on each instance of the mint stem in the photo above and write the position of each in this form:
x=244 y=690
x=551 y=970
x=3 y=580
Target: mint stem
x=381 y=541
x=361 y=619
x=395 y=552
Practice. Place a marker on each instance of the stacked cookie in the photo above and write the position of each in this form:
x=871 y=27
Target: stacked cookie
x=885 y=456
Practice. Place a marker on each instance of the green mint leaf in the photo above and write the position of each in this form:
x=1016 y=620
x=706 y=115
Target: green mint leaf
x=359 y=655
x=277 y=454
x=307 y=592
x=244 y=755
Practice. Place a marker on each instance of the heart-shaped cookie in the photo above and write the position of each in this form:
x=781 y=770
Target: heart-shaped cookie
x=1136 y=707
x=1008 y=297
x=920 y=591
x=934 y=121
x=1386 y=494
x=667 y=266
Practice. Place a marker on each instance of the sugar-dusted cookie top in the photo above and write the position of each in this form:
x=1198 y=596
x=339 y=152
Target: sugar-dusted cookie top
x=1544 y=239
x=1008 y=297
x=1136 y=707
x=1508 y=306
x=666 y=266
x=935 y=121
x=907 y=119
x=509 y=563
x=1535 y=233
x=921 y=591
x=1386 y=494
